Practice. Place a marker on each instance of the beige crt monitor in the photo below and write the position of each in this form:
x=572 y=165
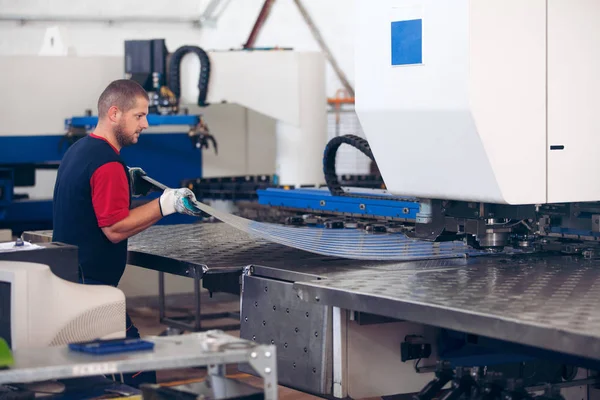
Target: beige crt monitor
x=39 y=309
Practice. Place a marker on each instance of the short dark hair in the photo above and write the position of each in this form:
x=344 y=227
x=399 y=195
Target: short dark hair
x=121 y=93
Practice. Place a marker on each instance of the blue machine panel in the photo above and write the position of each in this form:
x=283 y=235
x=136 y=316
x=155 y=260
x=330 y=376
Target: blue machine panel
x=322 y=201
x=32 y=149
x=407 y=42
x=23 y=215
x=153 y=120
x=168 y=157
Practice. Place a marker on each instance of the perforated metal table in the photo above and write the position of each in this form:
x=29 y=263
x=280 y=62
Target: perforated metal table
x=212 y=253
x=549 y=302
x=196 y=250
x=210 y=248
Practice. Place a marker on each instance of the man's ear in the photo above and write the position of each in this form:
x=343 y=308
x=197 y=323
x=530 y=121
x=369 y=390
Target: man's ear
x=113 y=114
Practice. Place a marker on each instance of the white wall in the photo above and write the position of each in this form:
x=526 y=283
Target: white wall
x=285 y=27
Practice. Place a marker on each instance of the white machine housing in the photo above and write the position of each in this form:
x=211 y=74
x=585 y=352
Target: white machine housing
x=492 y=101
x=46 y=310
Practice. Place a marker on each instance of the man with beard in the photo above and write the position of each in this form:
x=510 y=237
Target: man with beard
x=93 y=191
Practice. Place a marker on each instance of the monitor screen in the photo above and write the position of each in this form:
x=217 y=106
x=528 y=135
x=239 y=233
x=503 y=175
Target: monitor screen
x=5 y=312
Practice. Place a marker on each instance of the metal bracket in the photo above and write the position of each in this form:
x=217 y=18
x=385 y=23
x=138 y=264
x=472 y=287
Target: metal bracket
x=263 y=360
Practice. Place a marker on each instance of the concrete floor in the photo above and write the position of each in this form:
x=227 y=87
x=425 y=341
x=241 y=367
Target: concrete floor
x=144 y=313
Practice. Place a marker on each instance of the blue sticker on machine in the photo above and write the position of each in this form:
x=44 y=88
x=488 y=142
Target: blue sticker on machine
x=407 y=42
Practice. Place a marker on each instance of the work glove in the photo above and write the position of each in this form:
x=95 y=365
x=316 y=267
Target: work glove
x=139 y=186
x=180 y=201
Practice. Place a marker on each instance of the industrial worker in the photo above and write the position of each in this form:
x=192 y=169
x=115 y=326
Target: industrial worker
x=93 y=192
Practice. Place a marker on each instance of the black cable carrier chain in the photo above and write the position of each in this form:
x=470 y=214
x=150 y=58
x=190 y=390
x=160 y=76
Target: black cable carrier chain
x=329 y=157
x=174 y=81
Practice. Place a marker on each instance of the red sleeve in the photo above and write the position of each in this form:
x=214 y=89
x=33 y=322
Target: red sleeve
x=110 y=194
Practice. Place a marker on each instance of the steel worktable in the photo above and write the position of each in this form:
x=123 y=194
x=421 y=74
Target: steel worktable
x=213 y=253
x=538 y=308
x=548 y=302
x=198 y=249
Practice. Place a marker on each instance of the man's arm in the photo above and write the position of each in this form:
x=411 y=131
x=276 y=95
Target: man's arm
x=139 y=219
x=110 y=197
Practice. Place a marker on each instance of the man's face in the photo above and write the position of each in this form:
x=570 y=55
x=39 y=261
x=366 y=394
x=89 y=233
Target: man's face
x=131 y=123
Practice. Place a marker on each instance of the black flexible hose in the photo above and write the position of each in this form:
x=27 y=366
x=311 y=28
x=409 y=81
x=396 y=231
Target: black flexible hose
x=329 y=155
x=174 y=79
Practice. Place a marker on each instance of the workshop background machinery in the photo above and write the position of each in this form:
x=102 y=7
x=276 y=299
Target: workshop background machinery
x=496 y=130
x=22 y=156
x=518 y=321
x=510 y=324
x=491 y=148
x=488 y=158
x=254 y=80
x=365 y=328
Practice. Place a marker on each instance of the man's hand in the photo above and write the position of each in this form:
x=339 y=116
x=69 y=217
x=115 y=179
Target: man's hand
x=180 y=201
x=142 y=217
x=139 y=186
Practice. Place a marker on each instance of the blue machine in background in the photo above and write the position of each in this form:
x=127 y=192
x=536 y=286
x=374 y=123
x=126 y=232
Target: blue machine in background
x=168 y=157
